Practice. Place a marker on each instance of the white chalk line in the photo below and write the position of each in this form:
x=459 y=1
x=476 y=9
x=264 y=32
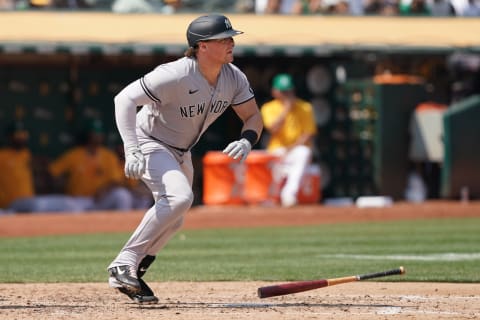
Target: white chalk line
x=449 y=256
x=436 y=298
x=371 y=307
x=411 y=311
x=313 y=310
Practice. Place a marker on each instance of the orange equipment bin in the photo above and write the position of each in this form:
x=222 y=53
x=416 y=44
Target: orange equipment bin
x=223 y=179
x=310 y=189
x=260 y=186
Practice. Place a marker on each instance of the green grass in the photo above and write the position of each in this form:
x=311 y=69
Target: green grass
x=446 y=250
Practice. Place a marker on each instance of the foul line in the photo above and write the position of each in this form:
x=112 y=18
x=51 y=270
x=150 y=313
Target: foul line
x=449 y=256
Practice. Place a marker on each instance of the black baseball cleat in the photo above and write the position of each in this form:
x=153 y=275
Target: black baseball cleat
x=145 y=296
x=127 y=277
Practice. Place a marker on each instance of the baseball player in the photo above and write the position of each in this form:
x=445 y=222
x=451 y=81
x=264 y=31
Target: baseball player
x=179 y=100
x=290 y=122
x=16 y=169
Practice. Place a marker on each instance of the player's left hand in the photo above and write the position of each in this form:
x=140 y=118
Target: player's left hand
x=238 y=149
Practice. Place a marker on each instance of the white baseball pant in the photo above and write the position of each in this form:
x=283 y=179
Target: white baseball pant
x=169 y=175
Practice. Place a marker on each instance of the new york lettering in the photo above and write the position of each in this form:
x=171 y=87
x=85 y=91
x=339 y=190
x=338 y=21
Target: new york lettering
x=191 y=111
x=219 y=106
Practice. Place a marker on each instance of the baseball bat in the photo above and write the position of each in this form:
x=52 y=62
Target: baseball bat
x=300 y=286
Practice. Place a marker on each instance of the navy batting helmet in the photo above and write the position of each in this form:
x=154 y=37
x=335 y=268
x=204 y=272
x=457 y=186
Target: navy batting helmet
x=213 y=26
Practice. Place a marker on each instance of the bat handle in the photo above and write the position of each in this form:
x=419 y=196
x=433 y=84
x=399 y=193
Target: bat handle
x=400 y=270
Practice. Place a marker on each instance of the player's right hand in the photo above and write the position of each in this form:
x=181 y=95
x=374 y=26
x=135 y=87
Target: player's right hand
x=134 y=164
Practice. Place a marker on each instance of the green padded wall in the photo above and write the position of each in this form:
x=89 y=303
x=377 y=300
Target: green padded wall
x=462 y=151
x=370 y=151
x=40 y=98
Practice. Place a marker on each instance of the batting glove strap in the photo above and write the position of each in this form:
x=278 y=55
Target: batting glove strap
x=238 y=149
x=134 y=164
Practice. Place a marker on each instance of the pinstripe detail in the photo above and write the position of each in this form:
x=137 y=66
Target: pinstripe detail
x=147 y=91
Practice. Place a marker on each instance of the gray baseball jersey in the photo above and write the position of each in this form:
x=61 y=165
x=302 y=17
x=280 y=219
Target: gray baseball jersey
x=178 y=106
x=184 y=104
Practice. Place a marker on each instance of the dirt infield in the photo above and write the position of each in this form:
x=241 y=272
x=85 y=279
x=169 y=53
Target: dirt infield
x=238 y=300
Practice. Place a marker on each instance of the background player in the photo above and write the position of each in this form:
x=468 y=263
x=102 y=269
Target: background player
x=290 y=123
x=180 y=101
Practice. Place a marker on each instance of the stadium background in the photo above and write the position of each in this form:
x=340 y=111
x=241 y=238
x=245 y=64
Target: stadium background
x=61 y=69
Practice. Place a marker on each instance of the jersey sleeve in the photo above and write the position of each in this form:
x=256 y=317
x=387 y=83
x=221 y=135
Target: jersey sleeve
x=158 y=83
x=244 y=91
x=268 y=114
x=143 y=91
x=309 y=118
x=114 y=168
x=61 y=165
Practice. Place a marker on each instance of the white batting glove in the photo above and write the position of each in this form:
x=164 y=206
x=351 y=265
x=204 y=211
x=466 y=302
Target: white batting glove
x=238 y=149
x=134 y=164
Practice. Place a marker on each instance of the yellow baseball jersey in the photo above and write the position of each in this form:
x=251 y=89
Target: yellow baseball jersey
x=16 y=178
x=300 y=120
x=86 y=173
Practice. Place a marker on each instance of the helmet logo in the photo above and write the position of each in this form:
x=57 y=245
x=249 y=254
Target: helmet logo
x=228 y=25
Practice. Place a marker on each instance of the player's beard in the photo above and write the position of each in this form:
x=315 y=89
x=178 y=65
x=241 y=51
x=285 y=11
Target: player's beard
x=229 y=58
